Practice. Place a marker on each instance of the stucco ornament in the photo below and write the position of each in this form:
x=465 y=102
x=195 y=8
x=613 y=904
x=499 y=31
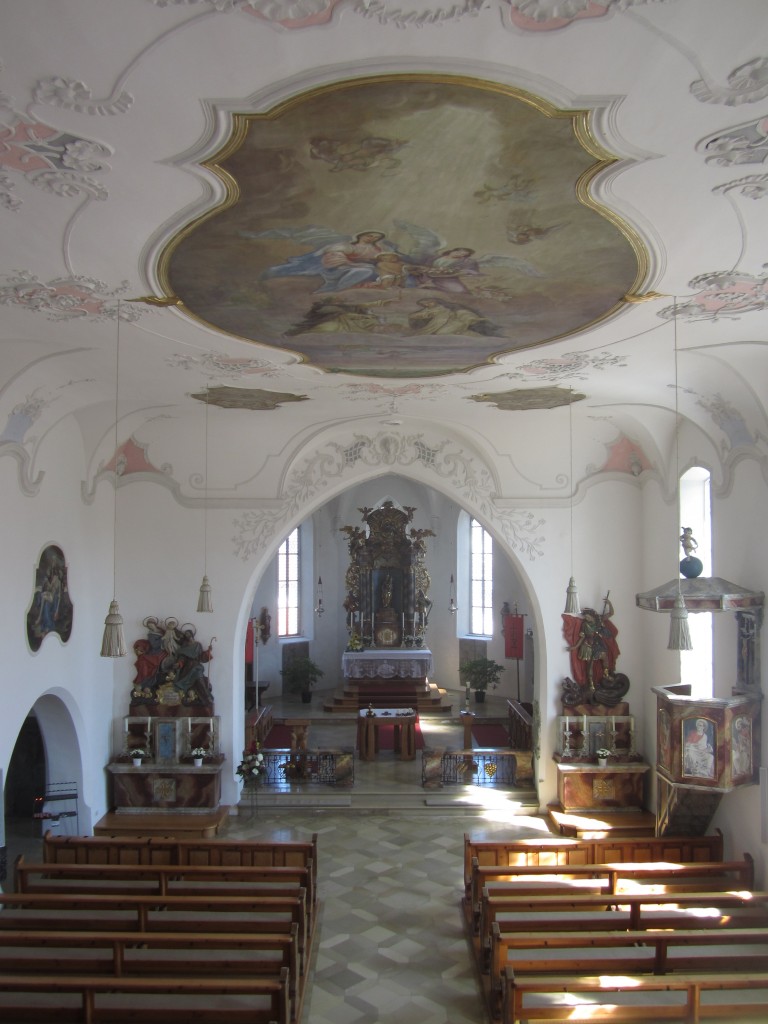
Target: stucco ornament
x=69 y=94
x=285 y=13
x=416 y=13
x=556 y=13
x=463 y=471
x=748 y=83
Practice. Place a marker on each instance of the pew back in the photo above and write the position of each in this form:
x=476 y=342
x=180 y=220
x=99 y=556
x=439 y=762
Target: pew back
x=689 y=998
x=562 y=851
x=94 y=999
x=163 y=879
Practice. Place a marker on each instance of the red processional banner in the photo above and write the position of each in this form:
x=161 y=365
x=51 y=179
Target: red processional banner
x=249 y=643
x=513 y=636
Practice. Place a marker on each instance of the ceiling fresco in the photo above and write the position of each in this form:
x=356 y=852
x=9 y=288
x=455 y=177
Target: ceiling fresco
x=406 y=226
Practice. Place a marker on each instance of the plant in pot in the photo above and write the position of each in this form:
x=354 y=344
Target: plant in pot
x=300 y=675
x=602 y=756
x=479 y=674
x=137 y=754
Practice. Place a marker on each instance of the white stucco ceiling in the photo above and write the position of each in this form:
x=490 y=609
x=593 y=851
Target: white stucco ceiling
x=109 y=107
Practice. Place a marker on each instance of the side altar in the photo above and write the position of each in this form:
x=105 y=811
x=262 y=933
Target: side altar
x=167 y=754
x=598 y=767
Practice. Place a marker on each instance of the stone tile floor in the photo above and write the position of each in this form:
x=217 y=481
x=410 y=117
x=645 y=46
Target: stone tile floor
x=390 y=943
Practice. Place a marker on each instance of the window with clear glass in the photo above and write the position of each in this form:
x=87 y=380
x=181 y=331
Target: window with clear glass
x=289 y=584
x=696 y=666
x=481 y=580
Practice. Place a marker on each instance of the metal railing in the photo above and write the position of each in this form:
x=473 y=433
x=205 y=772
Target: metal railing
x=520 y=725
x=282 y=767
x=468 y=768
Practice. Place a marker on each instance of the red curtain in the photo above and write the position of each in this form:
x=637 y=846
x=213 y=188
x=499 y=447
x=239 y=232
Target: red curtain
x=513 y=636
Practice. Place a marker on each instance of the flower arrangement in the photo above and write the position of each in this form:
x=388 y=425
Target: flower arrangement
x=602 y=753
x=198 y=752
x=252 y=764
x=138 y=752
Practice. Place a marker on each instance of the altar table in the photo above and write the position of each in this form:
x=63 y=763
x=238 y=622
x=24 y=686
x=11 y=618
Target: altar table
x=381 y=663
x=369 y=722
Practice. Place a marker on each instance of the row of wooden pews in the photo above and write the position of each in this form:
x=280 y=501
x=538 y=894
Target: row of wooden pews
x=159 y=929
x=559 y=937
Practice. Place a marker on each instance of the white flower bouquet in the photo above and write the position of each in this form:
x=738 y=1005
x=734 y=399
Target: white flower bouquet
x=252 y=765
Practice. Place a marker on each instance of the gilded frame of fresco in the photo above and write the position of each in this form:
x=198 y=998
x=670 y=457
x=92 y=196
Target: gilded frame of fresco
x=406 y=225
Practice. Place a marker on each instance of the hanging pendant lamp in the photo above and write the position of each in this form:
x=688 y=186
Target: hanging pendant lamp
x=572 y=606
x=205 y=598
x=113 y=641
x=679 y=633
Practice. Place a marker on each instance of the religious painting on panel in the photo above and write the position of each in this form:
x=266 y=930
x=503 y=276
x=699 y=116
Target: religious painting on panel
x=50 y=610
x=698 y=747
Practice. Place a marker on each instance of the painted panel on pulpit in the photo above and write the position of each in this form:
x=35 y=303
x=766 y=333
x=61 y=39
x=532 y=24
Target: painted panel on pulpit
x=406 y=225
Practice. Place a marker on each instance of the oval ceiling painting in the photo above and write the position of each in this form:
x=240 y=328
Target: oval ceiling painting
x=406 y=226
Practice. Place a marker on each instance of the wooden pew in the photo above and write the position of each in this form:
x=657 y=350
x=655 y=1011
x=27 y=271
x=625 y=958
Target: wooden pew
x=612 y=878
x=173 y=954
x=630 y=952
x=629 y=911
x=165 y=879
x=94 y=999
x=168 y=850
x=186 y=914
x=686 y=998
x=561 y=851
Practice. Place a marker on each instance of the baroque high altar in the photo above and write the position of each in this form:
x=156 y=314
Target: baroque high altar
x=387 y=582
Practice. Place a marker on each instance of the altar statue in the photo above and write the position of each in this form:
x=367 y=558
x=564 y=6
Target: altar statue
x=171 y=657
x=386 y=591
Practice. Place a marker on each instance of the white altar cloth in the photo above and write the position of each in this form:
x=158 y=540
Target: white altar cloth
x=379 y=663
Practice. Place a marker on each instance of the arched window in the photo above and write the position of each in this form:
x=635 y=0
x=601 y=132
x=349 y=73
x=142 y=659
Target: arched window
x=696 y=667
x=289 y=585
x=481 y=580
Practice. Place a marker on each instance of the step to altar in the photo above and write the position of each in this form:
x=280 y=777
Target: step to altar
x=205 y=825
x=601 y=824
x=426 y=698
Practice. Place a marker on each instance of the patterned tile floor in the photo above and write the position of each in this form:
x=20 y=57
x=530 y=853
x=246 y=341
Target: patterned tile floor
x=390 y=943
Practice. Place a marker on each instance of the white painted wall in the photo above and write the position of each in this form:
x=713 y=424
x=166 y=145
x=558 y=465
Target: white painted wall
x=622 y=544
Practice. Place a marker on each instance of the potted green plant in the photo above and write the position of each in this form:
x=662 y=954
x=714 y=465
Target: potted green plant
x=300 y=675
x=479 y=674
x=602 y=756
x=137 y=754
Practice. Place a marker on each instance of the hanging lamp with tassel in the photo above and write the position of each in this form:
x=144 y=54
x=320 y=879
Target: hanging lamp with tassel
x=572 y=606
x=679 y=633
x=113 y=641
x=205 y=598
